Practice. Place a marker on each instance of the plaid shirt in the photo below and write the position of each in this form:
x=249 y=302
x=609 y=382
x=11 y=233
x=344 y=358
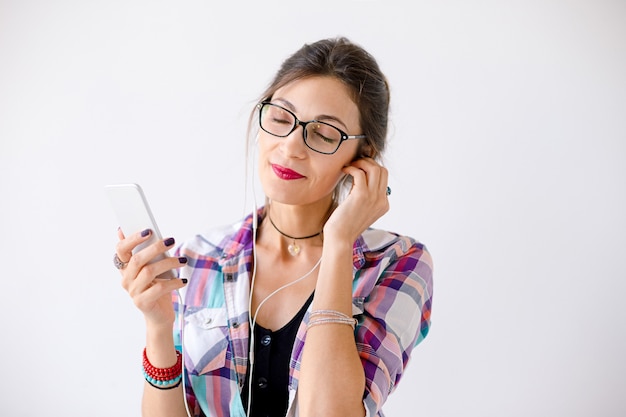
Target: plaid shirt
x=392 y=295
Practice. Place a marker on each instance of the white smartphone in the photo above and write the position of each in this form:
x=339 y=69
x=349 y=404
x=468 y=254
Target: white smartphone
x=133 y=215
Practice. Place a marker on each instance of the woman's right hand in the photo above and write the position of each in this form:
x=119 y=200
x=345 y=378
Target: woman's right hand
x=152 y=296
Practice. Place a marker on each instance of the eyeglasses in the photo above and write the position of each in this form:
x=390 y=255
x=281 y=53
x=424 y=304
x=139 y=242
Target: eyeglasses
x=318 y=136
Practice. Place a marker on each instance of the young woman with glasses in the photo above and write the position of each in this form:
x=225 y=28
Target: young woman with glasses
x=301 y=308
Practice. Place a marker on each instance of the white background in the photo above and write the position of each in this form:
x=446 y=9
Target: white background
x=507 y=158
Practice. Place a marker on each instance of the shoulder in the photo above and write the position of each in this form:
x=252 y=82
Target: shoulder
x=212 y=240
x=383 y=258
x=220 y=241
x=381 y=245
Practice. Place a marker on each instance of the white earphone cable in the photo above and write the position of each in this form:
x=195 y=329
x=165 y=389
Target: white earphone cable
x=253 y=320
x=181 y=323
x=252 y=280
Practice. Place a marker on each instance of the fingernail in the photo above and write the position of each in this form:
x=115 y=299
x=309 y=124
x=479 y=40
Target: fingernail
x=184 y=280
x=169 y=241
x=145 y=233
x=182 y=260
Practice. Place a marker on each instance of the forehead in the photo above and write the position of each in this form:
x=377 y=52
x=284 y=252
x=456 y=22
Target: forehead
x=314 y=96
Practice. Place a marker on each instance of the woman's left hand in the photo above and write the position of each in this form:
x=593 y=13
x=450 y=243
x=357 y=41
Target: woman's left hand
x=366 y=202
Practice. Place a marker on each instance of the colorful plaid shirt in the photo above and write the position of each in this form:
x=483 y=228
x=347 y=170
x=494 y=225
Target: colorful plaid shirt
x=392 y=296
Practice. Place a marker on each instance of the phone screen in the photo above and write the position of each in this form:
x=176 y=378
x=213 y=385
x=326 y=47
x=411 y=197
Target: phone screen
x=133 y=215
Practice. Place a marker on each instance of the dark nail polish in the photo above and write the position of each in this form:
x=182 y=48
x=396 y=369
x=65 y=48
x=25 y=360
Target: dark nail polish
x=184 y=280
x=169 y=241
x=182 y=260
x=145 y=233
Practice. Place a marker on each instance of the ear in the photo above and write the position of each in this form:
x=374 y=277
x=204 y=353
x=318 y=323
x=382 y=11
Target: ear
x=365 y=151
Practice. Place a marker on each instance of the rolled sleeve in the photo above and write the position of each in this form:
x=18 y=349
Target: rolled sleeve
x=396 y=317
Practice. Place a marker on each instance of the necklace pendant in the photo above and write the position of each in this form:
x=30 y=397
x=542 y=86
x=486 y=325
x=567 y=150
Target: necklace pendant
x=293 y=249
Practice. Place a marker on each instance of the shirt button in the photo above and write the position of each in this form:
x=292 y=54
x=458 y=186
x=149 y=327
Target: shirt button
x=266 y=340
x=261 y=383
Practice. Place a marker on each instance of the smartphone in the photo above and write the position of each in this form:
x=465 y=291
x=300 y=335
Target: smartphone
x=133 y=215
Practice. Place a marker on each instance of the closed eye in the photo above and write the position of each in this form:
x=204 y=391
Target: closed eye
x=281 y=121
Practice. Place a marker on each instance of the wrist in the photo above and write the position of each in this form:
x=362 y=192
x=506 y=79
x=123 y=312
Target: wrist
x=160 y=348
x=159 y=327
x=346 y=230
x=338 y=241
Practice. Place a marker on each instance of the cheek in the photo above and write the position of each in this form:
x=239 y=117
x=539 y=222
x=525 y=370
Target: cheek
x=261 y=141
x=350 y=153
x=263 y=146
x=333 y=174
x=343 y=157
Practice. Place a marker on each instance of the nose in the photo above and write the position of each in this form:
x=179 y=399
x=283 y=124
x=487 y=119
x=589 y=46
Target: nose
x=293 y=145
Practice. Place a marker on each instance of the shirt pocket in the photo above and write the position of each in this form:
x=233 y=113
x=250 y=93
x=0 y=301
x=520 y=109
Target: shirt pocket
x=205 y=338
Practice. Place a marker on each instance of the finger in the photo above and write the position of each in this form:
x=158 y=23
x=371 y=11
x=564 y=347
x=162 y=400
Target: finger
x=378 y=175
x=374 y=176
x=142 y=258
x=161 y=288
x=384 y=180
x=147 y=277
x=359 y=179
x=125 y=245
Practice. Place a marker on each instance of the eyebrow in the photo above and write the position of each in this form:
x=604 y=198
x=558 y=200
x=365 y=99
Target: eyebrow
x=320 y=117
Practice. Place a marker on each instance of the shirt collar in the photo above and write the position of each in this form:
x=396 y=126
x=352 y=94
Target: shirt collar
x=239 y=240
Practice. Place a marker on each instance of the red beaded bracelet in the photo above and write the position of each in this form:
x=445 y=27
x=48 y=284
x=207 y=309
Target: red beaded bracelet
x=163 y=374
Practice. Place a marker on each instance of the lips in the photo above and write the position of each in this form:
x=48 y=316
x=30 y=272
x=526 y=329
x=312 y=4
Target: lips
x=286 y=173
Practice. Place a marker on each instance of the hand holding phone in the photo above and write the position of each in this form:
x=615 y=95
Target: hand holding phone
x=133 y=214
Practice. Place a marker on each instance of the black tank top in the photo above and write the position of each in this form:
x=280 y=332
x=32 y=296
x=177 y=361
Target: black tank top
x=270 y=377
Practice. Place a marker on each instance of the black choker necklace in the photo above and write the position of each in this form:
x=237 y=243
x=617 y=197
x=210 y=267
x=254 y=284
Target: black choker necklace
x=293 y=248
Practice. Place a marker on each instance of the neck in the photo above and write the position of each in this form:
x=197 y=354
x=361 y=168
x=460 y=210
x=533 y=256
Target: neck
x=294 y=228
x=269 y=217
x=299 y=220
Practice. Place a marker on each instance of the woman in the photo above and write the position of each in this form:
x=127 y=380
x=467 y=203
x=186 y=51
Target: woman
x=301 y=304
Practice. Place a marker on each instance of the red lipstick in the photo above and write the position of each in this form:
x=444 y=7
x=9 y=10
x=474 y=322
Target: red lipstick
x=286 y=173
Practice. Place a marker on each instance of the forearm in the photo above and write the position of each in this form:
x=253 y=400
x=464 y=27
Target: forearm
x=332 y=379
x=161 y=353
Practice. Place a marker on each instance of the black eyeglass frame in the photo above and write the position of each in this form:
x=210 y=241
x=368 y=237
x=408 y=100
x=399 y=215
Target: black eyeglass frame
x=297 y=122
